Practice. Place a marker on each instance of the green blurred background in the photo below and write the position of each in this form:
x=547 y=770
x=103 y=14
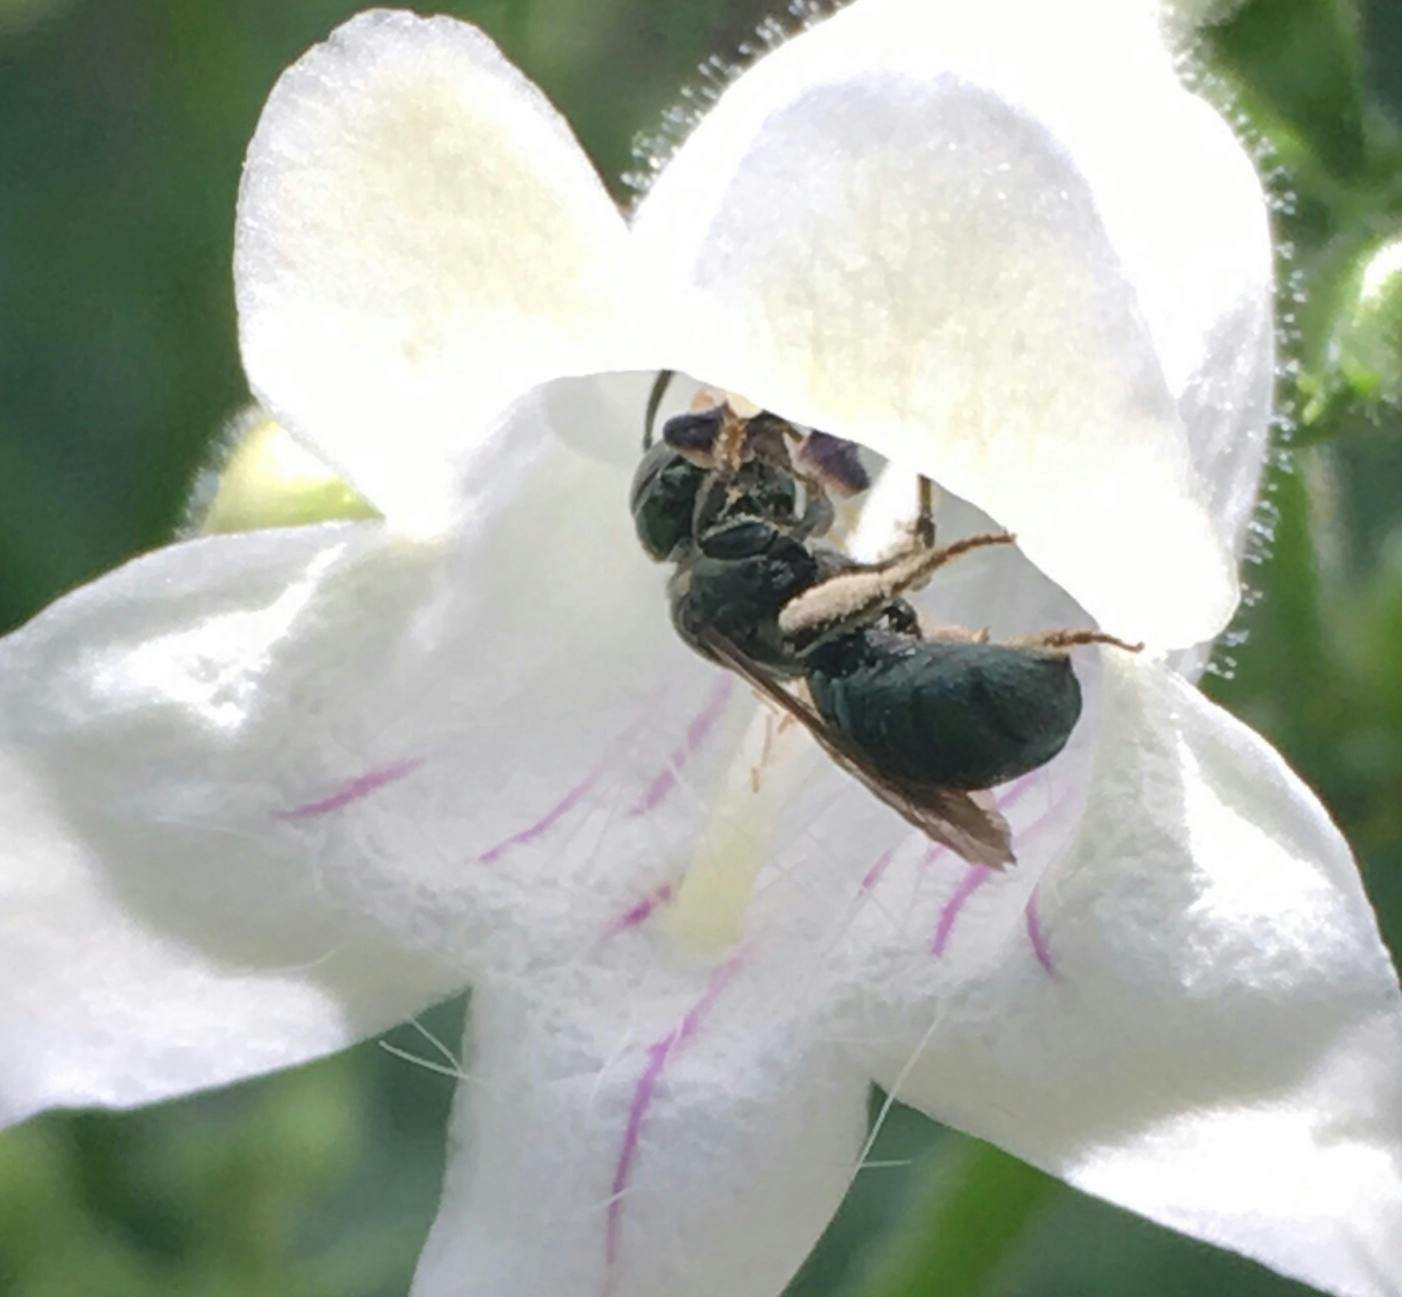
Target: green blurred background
x=122 y=127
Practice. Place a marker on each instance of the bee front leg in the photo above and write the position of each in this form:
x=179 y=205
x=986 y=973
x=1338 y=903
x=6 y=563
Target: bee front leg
x=654 y=403
x=924 y=528
x=919 y=544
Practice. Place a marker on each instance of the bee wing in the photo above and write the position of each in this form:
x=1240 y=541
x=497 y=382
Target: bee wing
x=969 y=824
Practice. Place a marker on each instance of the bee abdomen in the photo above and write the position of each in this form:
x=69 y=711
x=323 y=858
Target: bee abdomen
x=955 y=715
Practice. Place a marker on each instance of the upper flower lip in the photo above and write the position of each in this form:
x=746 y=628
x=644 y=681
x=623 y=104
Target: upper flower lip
x=897 y=229
x=381 y=318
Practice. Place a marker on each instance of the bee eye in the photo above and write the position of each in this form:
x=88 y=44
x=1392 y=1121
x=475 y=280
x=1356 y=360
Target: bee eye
x=694 y=433
x=662 y=500
x=837 y=461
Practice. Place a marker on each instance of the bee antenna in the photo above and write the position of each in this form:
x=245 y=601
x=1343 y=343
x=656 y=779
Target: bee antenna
x=654 y=401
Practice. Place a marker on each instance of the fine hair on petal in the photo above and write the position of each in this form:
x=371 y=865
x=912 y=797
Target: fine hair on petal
x=1290 y=297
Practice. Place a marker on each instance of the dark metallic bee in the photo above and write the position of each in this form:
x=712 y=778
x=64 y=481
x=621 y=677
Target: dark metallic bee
x=736 y=502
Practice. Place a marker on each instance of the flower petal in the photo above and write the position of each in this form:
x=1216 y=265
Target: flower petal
x=681 y=1139
x=420 y=240
x=1183 y=205
x=333 y=760
x=152 y=941
x=1196 y=1019
x=901 y=228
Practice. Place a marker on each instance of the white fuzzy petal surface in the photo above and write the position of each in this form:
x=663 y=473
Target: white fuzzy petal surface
x=420 y=240
x=158 y=933
x=688 y=1137
x=925 y=232
x=1197 y=1019
x=268 y=793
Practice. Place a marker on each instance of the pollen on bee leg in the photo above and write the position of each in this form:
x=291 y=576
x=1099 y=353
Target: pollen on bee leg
x=959 y=634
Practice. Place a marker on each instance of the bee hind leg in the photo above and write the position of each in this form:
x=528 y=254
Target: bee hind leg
x=1067 y=639
x=857 y=596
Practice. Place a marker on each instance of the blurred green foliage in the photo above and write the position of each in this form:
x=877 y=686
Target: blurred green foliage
x=122 y=126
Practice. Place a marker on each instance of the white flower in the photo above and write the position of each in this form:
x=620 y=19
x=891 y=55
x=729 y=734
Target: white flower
x=270 y=793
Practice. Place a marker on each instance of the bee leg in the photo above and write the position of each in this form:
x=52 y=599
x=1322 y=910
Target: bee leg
x=921 y=528
x=960 y=634
x=859 y=596
x=817 y=515
x=910 y=569
x=776 y=725
x=925 y=513
x=765 y=749
x=1065 y=639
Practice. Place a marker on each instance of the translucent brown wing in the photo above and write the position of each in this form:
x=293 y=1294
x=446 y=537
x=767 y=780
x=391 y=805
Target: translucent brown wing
x=970 y=824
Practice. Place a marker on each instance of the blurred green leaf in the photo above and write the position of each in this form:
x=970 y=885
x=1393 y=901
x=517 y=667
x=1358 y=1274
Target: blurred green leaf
x=1351 y=335
x=19 y=15
x=1368 y=338
x=975 y=1204
x=1298 y=67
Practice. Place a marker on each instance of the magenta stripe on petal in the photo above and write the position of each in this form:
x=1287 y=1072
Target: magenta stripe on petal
x=354 y=790
x=949 y=912
x=640 y=912
x=553 y=816
x=658 y=1055
x=873 y=875
x=1037 y=937
x=696 y=733
x=642 y=1100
